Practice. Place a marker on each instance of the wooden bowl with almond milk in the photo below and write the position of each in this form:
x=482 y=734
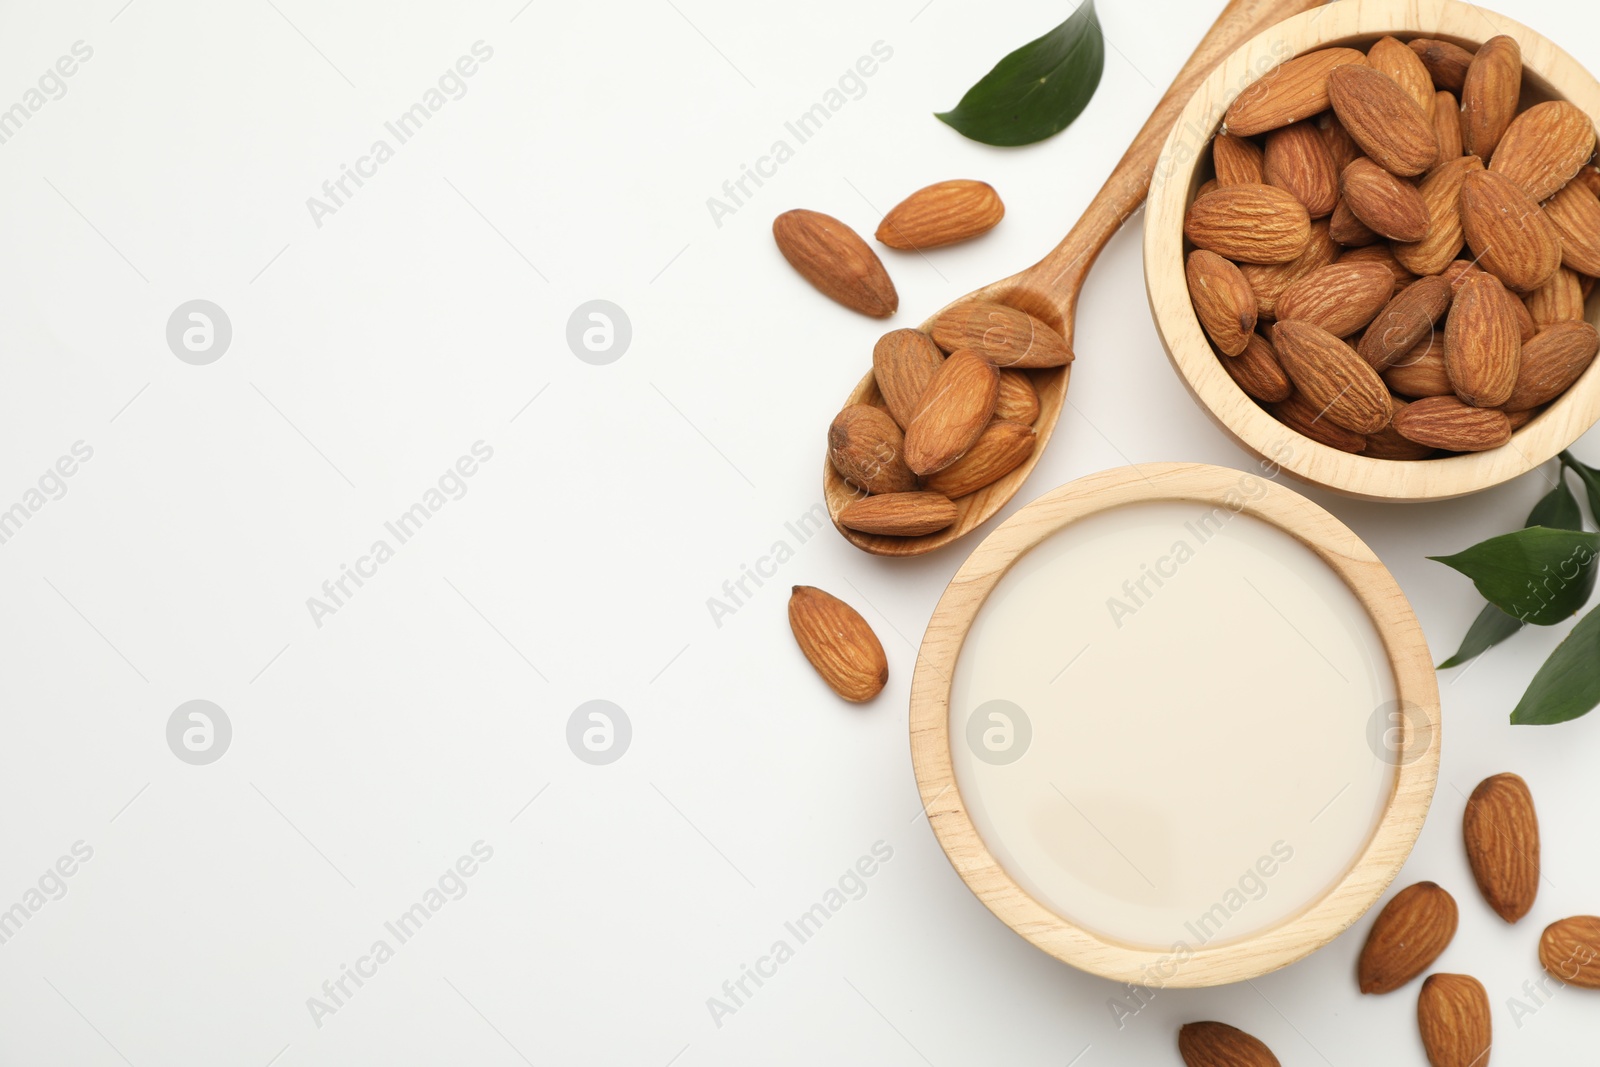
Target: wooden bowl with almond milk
x=1475 y=395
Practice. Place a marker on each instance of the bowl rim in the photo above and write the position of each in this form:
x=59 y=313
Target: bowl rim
x=1416 y=755
x=1547 y=69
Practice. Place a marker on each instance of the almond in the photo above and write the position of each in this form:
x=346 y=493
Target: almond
x=1489 y=94
x=1385 y=204
x=1387 y=442
x=899 y=514
x=1297 y=159
x=1441 y=193
x=1383 y=253
x=838 y=642
x=1223 y=300
x=1249 y=223
x=1405 y=67
x=1389 y=126
x=1482 y=342
x=1589 y=178
x=942 y=214
x=1446 y=63
x=1420 y=372
x=1404 y=321
x=1570 y=950
x=1003 y=335
x=1447 y=125
x=1544 y=147
x=868 y=451
x=903 y=363
x=1453 y=1019
x=999 y=450
x=1268 y=280
x=1501 y=831
x=1340 y=147
x=1519 y=419
x=953 y=411
x=1329 y=375
x=1346 y=229
x=1524 y=317
x=1558 y=300
x=1213 y=1044
x=1341 y=297
x=1575 y=213
x=834 y=258
x=1294 y=90
x=1508 y=233
x=1555 y=358
x=1305 y=418
x=1445 y=422
x=1458 y=271
x=1409 y=933
x=1018 y=400
x=1256 y=371
x=1236 y=160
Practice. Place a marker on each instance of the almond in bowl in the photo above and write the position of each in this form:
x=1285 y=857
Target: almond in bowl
x=1371 y=246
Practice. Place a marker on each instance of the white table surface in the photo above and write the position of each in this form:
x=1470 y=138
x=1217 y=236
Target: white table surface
x=428 y=313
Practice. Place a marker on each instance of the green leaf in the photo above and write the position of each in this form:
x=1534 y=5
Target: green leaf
x=1537 y=575
x=1558 y=509
x=1591 y=482
x=1568 y=685
x=1036 y=91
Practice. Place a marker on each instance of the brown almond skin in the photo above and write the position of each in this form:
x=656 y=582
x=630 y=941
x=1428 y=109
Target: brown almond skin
x=1453 y=1021
x=1387 y=442
x=1446 y=63
x=1555 y=358
x=1341 y=297
x=1382 y=252
x=1294 y=90
x=868 y=451
x=1575 y=213
x=903 y=363
x=834 y=258
x=1385 y=204
x=1489 y=94
x=1405 y=67
x=954 y=410
x=1256 y=371
x=1420 y=372
x=1214 y=1044
x=942 y=214
x=1570 y=950
x=1519 y=419
x=1330 y=376
x=1340 y=145
x=1441 y=194
x=1297 y=159
x=1406 y=320
x=1347 y=230
x=1223 y=301
x=1236 y=160
x=1249 y=224
x=899 y=514
x=1003 y=335
x=1445 y=422
x=1302 y=416
x=1408 y=935
x=1508 y=233
x=1267 y=280
x=1447 y=125
x=1482 y=342
x=1389 y=126
x=1500 y=829
x=1018 y=400
x=1543 y=148
x=1558 y=300
x=999 y=450
x=839 y=643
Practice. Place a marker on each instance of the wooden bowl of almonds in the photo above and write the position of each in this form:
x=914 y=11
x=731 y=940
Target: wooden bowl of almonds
x=1371 y=248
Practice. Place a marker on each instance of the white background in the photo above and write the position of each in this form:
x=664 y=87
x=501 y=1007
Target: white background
x=368 y=354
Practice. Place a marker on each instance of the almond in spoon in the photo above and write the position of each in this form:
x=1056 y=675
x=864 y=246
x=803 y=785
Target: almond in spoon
x=954 y=410
x=1003 y=335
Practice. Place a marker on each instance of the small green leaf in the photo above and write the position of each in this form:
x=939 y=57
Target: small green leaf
x=1557 y=509
x=1036 y=91
x=1591 y=482
x=1568 y=685
x=1490 y=628
x=1537 y=575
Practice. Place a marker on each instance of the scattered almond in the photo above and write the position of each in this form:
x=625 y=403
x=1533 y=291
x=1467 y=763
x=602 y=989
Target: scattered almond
x=1409 y=933
x=1570 y=950
x=899 y=514
x=1501 y=831
x=1389 y=126
x=834 y=258
x=1003 y=335
x=942 y=214
x=868 y=451
x=1213 y=1044
x=1223 y=301
x=1453 y=1020
x=953 y=412
x=999 y=450
x=838 y=642
x=1445 y=422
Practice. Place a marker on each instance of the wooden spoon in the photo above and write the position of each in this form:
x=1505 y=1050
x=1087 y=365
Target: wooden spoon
x=1049 y=289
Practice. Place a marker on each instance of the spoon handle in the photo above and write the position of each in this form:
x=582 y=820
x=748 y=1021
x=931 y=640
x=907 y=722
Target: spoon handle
x=1056 y=280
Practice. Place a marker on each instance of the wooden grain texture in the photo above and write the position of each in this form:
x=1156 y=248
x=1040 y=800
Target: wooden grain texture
x=1049 y=289
x=1417 y=757
x=1548 y=72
